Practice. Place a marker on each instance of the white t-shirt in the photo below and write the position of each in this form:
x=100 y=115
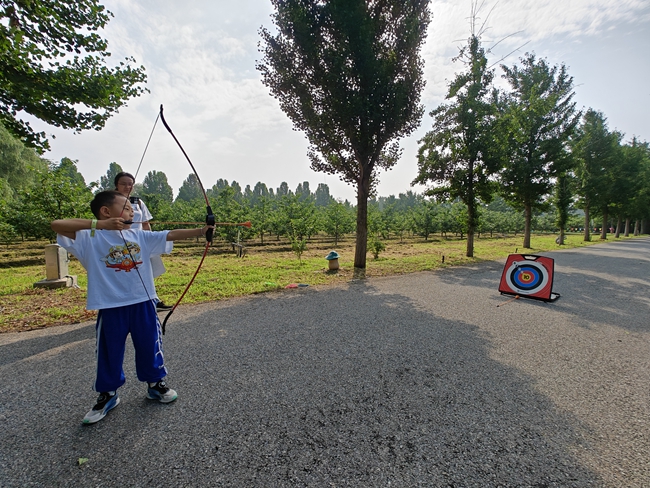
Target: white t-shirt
x=140 y=213
x=112 y=279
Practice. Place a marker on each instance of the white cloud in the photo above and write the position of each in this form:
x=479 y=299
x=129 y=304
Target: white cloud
x=200 y=60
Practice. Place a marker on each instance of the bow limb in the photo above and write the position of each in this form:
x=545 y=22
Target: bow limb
x=209 y=219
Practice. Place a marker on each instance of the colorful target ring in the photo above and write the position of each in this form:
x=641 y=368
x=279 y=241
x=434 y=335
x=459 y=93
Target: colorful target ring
x=526 y=278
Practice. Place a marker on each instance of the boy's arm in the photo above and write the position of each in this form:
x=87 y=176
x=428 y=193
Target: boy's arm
x=179 y=234
x=69 y=227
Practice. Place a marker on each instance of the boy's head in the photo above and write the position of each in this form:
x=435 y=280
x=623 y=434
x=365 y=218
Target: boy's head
x=107 y=204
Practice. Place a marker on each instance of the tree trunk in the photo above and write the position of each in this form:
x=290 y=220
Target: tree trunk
x=627 y=227
x=560 y=239
x=471 y=211
x=587 y=236
x=528 y=211
x=470 y=244
x=618 y=227
x=636 y=227
x=363 y=192
x=603 y=231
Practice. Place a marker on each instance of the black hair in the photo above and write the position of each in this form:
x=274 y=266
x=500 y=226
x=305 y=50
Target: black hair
x=103 y=199
x=120 y=175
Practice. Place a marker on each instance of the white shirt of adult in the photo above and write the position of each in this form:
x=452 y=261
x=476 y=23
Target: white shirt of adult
x=140 y=213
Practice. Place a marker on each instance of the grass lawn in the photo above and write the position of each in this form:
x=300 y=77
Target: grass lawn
x=263 y=269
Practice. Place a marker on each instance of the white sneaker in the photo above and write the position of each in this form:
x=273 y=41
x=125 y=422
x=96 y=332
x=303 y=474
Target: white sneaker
x=161 y=392
x=105 y=403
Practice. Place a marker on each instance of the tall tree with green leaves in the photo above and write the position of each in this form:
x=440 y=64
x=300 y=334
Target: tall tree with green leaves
x=260 y=190
x=156 y=191
x=538 y=120
x=322 y=195
x=594 y=149
x=107 y=182
x=155 y=183
x=627 y=182
x=53 y=67
x=283 y=190
x=19 y=165
x=348 y=73
x=563 y=198
x=190 y=190
x=637 y=154
x=68 y=167
x=54 y=196
x=458 y=156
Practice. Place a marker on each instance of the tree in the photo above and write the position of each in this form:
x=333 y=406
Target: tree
x=156 y=191
x=259 y=191
x=337 y=220
x=19 y=164
x=228 y=209
x=627 y=183
x=261 y=215
x=423 y=218
x=155 y=183
x=348 y=74
x=539 y=119
x=190 y=190
x=594 y=148
x=408 y=200
x=53 y=67
x=217 y=188
x=67 y=167
x=55 y=196
x=283 y=190
x=458 y=155
x=322 y=195
x=303 y=191
x=563 y=198
x=108 y=182
x=297 y=218
x=638 y=153
x=236 y=189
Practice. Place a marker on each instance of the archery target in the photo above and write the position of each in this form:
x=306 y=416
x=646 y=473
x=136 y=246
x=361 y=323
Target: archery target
x=529 y=276
x=526 y=278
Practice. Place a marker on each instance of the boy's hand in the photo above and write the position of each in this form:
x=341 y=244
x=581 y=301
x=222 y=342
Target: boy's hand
x=115 y=223
x=205 y=229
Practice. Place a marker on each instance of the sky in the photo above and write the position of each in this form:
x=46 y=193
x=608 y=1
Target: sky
x=200 y=60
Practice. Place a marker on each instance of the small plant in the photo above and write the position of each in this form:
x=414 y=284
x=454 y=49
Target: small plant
x=376 y=246
x=298 y=246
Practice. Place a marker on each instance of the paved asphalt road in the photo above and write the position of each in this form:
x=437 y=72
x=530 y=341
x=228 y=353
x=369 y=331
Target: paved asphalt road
x=414 y=380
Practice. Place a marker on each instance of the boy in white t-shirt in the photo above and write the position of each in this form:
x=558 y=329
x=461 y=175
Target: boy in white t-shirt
x=121 y=288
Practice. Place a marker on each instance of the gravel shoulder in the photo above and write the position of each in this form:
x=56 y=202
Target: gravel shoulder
x=412 y=380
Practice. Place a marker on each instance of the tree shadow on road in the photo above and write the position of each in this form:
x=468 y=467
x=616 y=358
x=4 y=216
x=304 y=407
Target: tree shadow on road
x=344 y=386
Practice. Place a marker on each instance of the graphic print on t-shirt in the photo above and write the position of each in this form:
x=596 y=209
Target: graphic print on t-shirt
x=121 y=257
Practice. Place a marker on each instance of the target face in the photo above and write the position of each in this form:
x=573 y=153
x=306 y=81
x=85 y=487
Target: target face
x=526 y=278
x=530 y=276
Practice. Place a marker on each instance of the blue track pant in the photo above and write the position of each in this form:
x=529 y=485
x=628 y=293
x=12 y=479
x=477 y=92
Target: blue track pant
x=113 y=326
